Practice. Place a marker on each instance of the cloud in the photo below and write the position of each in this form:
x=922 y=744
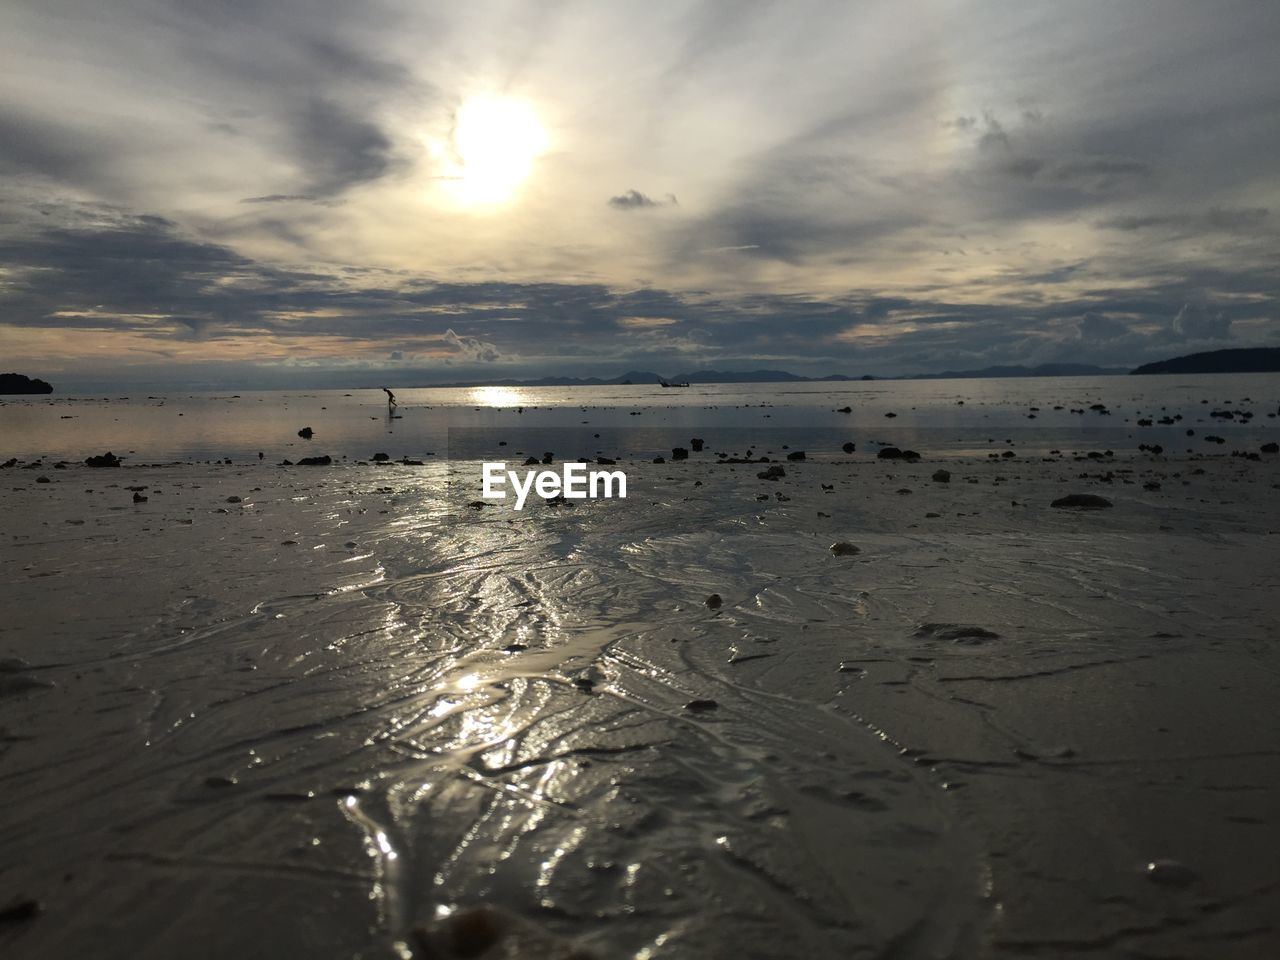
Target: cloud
x=280 y=198
x=472 y=348
x=1195 y=322
x=635 y=200
x=1226 y=219
x=1099 y=328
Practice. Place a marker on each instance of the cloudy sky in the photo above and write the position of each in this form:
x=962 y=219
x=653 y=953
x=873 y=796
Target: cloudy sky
x=234 y=192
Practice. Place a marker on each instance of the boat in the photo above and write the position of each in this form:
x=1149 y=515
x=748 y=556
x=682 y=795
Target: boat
x=665 y=384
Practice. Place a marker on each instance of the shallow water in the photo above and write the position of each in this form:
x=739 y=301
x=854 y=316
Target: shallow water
x=955 y=417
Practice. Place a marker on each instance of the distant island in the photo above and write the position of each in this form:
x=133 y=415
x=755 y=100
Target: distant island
x=17 y=383
x=1242 y=360
x=1043 y=370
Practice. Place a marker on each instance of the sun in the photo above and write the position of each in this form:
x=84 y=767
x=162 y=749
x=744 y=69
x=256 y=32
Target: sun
x=496 y=141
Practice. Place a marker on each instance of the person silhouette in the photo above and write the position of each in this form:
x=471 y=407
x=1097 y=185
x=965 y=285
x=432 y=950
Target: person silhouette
x=391 y=399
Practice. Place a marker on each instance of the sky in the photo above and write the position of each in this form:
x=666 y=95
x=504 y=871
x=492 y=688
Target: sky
x=248 y=194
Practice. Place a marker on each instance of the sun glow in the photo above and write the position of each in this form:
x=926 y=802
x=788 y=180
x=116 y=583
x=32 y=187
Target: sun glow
x=496 y=141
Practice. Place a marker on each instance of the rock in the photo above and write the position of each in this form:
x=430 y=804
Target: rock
x=796 y=455
x=659 y=459
x=286 y=463
x=488 y=932
x=695 y=444
x=107 y=459
x=775 y=472
x=1270 y=448
x=306 y=433
x=1151 y=485
x=713 y=602
x=20 y=910
x=679 y=453
x=843 y=548
x=139 y=498
x=890 y=415
x=605 y=461
x=942 y=476
x=316 y=461
x=43 y=479
x=889 y=453
x=234 y=499
x=849 y=447
x=701 y=706
x=1082 y=501
x=531 y=461
x=845 y=410
x=966 y=633
x=380 y=458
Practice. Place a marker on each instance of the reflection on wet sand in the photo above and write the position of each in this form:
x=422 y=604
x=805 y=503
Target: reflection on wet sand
x=367 y=723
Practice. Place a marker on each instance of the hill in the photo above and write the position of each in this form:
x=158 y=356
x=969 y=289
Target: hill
x=1241 y=360
x=1043 y=370
x=17 y=383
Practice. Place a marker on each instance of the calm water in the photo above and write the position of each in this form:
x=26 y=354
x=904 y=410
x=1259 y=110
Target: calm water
x=940 y=417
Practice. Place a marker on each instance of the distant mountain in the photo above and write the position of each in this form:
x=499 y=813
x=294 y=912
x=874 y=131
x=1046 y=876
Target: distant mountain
x=1042 y=370
x=645 y=377
x=17 y=383
x=754 y=376
x=1242 y=360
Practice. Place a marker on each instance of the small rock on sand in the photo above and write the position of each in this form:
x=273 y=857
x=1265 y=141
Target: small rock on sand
x=306 y=433
x=315 y=461
x=107 y=459
x=843 y=548
x=942 y=476
x=701 y=706
x=955 y=633
x=713 y=602
x=1082 y=501
x=20 y=910
x=849 y=447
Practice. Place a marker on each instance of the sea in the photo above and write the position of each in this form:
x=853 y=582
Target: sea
x=938 y=418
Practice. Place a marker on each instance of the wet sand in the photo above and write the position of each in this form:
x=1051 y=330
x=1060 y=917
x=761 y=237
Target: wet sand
x=314 y=720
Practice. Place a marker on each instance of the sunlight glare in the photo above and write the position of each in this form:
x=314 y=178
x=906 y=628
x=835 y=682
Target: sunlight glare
x=495 y=141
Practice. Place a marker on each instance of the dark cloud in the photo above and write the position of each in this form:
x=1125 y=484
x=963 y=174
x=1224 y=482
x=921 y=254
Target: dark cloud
x=338 y=147
x=280 y=198
x=1096 y=327
x=635 y=200
x=1195 y=322
x=1218 y=218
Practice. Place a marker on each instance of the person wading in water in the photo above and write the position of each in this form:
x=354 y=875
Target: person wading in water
x=391 y=399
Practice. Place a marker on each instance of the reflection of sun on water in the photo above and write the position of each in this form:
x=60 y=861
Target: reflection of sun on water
x=496 y=397
x=495 y=143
